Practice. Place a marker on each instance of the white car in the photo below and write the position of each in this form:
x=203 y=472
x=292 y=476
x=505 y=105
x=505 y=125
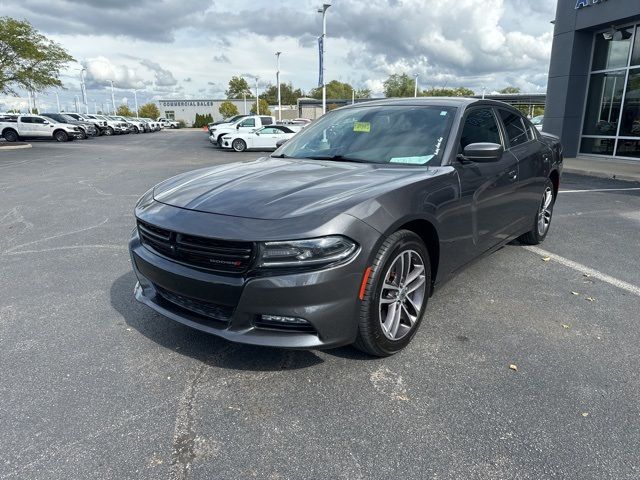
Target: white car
x=14 y=128
x=538 y=122
x=243 y=125
x=264 y=138
x=166 y=123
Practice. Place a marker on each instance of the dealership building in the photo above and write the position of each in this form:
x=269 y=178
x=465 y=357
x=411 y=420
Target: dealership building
x=593 y=95
x=186 y=110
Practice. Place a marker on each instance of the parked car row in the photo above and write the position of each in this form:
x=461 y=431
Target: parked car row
x=67 y=126
x=253 y=132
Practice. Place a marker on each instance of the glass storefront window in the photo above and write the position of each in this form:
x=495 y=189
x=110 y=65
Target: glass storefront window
x=630 y=122
x=614 y=52
x=628 y=148
x=635 y=56
x=598 y=146
x=603 y=103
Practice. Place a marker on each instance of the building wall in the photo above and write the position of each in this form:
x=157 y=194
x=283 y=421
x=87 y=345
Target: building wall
x=571 y=59
x=186 y=110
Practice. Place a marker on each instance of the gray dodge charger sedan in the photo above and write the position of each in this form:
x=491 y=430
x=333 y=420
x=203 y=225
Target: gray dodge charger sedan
x=343 y=233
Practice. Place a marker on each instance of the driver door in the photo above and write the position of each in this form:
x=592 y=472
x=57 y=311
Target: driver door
x=247 y=125
x=487 y=188
x=267 y=138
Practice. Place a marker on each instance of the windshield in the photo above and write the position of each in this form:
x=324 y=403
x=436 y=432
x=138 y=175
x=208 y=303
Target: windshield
x=413 y=135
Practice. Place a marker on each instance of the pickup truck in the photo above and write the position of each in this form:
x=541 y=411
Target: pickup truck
x=36 y=126
x=245 y=124
x=165 y=122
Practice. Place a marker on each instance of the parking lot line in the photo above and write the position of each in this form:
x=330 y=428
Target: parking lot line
x=584 y=269
x=599 y=190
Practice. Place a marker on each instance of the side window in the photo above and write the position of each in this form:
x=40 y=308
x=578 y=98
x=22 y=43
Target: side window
x=515 y=128
x=27 y=120
x=269 y=130
x=480 y=126
x=266 y=120
x=38 y=120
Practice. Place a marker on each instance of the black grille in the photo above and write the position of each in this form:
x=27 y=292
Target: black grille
x=259 y=322
x=211 y=254
x=221 y=313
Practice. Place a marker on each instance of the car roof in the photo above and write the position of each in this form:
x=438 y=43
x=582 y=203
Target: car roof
x=435 y=101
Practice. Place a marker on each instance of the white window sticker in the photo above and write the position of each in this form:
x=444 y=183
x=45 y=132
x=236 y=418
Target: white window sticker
x=443 y=113
x=412 y=160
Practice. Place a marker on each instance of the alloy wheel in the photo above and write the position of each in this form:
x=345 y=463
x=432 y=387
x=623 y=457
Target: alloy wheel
x=544 y=215
x=403 y=294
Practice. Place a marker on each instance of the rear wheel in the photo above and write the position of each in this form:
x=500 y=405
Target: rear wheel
x=395 y=295
x=108 y=131
x=83 y=134
x=11 y=136
x=61 y=136
x=542 y=220
x=239 y=145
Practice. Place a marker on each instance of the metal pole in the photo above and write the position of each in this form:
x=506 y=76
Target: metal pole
x=415 y=87
x=324 y=69
x=278 y=83
x=353 y=96
x=257 y=99
x=57 y=101
x=244 y=97
x=29 y=98
x=75 y=101
x=135 y=97
x=35 y=105
x=113 y=100
x=84 y=90
x=95 y=107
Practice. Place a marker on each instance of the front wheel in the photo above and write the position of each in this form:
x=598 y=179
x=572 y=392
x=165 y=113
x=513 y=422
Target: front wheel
x=61 y=136
x=395 y=295
x=83 y=135
x=542 y=220
x=109 y=131
x=239 y=145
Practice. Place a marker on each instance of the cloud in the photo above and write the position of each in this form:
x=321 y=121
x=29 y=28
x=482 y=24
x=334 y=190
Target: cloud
x=222 y=58
x=187 y=80
x=101 y=71
x=164 y=78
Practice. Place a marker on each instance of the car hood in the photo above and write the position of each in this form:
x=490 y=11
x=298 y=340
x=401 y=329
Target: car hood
x=271 y=188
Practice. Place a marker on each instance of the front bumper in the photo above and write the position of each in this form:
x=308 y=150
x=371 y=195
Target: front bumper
x=327 y=299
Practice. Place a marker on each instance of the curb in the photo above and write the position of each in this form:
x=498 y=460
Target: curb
x=599 y=174
x=14 y=147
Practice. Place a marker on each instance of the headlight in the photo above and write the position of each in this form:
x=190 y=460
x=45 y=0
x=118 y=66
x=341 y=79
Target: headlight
x=311 y=252
x=145 y=200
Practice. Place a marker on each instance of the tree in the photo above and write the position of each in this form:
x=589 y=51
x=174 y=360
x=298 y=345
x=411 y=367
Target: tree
x=510 y=90
x=335 y=90
x=264 y=107
x=399 y=86
x=202 y=120
x=237 y=86
x=28 y=60
x=363 y=93
x=228 y=109
x=124 y=111
x=448 y=92
x=149 y=110
x=288 y=95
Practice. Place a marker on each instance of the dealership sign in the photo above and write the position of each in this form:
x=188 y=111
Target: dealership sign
x=186 y=103
x=588 y=3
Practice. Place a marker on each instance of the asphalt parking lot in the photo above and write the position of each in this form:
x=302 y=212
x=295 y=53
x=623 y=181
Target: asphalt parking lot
x=94 y=385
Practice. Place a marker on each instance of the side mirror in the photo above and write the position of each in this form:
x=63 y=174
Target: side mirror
x=279 y=143
x=483 y=152
x=238 y=127
x=46 y=122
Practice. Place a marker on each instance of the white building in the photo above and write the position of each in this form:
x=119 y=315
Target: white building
x=186 y=110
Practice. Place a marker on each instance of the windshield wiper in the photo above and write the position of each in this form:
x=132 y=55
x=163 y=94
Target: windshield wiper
x=338 y=158
x=282 y=155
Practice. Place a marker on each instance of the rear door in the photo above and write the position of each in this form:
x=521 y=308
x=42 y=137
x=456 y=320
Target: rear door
x=247 y=125
x=522 y=142
x=267 y=137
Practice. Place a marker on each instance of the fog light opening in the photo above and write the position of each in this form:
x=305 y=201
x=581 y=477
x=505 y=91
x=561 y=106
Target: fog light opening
x=284 y=320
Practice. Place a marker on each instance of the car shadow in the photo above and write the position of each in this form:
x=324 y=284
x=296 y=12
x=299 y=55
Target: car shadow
x=198 y=345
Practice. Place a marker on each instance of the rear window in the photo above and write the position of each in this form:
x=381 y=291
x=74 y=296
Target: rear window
x=266 y=120
x=517 y=132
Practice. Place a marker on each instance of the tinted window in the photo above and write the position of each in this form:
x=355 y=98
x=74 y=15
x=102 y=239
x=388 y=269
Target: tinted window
x=266 y=120
x=480 y=126
x=515 y=128
x=249 y=122
x=27 y=120
x=270 y=130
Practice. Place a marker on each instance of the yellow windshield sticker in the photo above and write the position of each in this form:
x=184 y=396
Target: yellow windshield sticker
x=362 y=127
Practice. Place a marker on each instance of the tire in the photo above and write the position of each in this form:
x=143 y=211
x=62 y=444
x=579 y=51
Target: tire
x=109 y=131
x=83 y=134
x=11 y=135
x=136 y=130
x=376 y=320
x=239 y=145
x=219 y=140
x=542 y=220
x=61 y=136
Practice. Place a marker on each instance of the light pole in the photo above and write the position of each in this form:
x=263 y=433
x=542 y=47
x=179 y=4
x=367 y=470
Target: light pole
x=75 y=100
x=353 y=96
x=135 y=97
x=257 y=99
x=415 y=87
x=278 y=84
x=323 y=11
x=57 y=101
x=29 y=97
x=84 y=90
x=113 y=100
x=244 y=97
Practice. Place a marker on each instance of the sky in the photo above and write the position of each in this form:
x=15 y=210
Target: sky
x=189 y=49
